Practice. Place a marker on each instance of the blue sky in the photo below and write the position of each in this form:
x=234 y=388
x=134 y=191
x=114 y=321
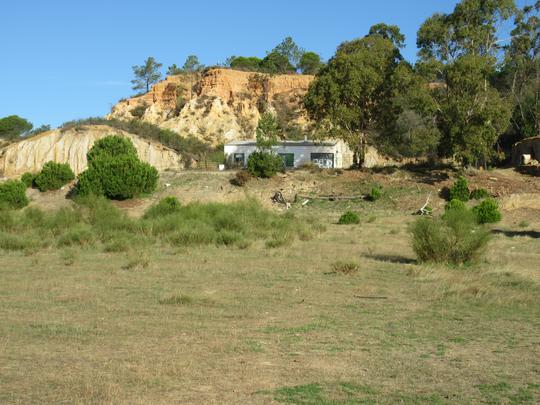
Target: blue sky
x=64 y=60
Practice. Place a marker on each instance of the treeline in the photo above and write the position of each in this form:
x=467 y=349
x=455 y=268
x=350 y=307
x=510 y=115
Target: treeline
x=286 y=58
x=473 y=90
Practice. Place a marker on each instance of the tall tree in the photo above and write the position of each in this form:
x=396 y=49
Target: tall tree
x=146 y=75
x=290 y=50
x=310 y=63
x=13 y=126
x=352 y=93
x=521 y=72
x=459 y=51
x=275 y=63
x=192 y=64
x=390 y=32
x=267 y=132
x=174 y=70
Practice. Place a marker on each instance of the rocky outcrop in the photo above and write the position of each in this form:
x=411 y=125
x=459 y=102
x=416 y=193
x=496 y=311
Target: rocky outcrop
x=71 y=146
x=220 y=104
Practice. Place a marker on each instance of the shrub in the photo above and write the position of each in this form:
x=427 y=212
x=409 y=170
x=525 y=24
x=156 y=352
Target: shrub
x=111 y=146
x=115 y=171
x=456 y=238
x=487 y=212
x=53 y=176
x=241 y=178
x=479 y=193
x=375 y=193
x=166 y=206
x=13 y=194
x=139 y=110
x=28 y=179
x=455 y=205
x=264 y=164
x=460 y=190
x=349 y=218
x=345 y=267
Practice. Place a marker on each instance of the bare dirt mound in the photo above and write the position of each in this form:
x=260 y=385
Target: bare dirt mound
x=71 y=146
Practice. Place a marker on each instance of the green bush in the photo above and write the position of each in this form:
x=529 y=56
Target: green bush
x=375 y=193
x=487 y=212
x=28 y=179
x=460 y=190
x=455 y=205
x=479 y=193
x=166 y=206
x=53 y=176
x=13 y=194
x=111 y=146
x=349 y=218
x=115 y=171
x=455 y=238
x=264 y=164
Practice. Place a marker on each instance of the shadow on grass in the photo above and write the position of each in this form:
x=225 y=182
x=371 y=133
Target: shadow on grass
x=512 y=234
x=392 y=259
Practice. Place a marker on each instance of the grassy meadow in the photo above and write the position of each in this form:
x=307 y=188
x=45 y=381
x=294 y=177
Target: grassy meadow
x=232 y=303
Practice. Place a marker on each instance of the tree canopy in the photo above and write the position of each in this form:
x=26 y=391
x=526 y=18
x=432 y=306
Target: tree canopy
x=13 y=126
x=146 y=74
x=353 y=96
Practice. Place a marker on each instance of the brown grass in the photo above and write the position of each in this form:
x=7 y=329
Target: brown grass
x=225 y=325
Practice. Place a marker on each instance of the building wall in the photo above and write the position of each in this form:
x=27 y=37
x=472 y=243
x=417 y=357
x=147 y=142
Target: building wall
x=302 y=154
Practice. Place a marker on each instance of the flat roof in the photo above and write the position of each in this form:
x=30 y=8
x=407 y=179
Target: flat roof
x=285 y=143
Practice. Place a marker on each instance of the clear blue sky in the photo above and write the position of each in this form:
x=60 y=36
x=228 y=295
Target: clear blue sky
x=69 y=59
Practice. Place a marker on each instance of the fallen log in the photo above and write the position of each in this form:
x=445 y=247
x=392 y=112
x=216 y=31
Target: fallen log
x=333 y=197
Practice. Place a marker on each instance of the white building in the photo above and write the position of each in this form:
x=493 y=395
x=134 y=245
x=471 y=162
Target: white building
x=325 y=154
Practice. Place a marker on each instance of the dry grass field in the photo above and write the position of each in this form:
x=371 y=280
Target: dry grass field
x=347 y=317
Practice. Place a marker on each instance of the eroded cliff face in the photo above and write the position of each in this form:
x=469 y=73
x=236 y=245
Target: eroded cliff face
x=220 y=104
x=71 y=146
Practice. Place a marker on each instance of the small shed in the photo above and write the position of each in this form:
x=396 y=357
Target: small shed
x=325 y=154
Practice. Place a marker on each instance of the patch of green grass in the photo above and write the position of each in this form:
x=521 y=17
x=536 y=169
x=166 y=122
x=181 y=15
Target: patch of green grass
x=341 y=393
x=177 y=299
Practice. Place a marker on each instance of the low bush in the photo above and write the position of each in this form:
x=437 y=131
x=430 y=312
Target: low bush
x=166 y=206
x=345 y=267
x=241 y=178
x=53 y=176
x=13 y=194
x=455 y=205
x=348 y=218
x=28 y=179
x=115 y=171
x=264 y=164
x=487 y=212
x=455 y=238
x=375 y=193
x=479 y=193
x=459 y=190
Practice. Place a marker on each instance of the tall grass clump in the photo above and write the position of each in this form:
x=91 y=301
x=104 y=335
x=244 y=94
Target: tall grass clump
x=454 y=238
x=167 y=206
x=95 y=221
